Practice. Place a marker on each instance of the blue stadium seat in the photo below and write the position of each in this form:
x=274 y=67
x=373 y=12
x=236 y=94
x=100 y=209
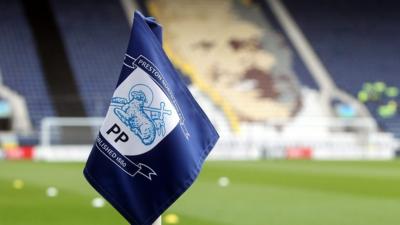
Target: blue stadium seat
x=95 y=33
x=19 y=61
x=358 y=41
x=299 y=68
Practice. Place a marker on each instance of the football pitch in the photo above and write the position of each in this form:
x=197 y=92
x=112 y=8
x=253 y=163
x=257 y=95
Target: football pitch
x=258 y=192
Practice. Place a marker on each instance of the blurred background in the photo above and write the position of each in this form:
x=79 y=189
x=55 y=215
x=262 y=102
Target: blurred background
x=304 y=95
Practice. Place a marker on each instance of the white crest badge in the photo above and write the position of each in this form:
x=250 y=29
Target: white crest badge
x=140 y=115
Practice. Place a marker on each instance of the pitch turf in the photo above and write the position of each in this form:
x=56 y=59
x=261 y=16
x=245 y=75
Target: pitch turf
x=261 y=192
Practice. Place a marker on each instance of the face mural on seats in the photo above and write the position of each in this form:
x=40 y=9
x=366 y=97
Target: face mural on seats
x=227 y=53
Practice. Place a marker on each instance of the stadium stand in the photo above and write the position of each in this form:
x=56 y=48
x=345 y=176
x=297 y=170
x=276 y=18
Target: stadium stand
x=19 y=61
x=60 y=81
x=238 y=61
x=95 y=34
x=297 y=65
x=245 y=68
x=357 y=42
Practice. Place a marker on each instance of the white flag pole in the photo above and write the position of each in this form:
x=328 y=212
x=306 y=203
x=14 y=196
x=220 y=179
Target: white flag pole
x=129 y=7
x=158 y=221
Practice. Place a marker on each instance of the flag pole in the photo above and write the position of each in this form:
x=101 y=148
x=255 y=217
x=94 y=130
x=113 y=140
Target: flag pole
x=129 y=7
x=158 y=221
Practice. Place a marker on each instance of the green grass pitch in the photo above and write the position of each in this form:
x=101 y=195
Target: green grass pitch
x=260 y=192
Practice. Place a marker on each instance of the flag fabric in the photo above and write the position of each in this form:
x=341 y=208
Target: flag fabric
x=155 y=136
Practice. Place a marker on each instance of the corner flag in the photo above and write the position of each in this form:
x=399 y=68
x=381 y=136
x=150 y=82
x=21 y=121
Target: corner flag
x=155 y=137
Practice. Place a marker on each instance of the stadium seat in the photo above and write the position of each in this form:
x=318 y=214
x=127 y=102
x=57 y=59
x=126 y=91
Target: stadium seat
x=95 y=34
x=19 y=61
x=357 y=41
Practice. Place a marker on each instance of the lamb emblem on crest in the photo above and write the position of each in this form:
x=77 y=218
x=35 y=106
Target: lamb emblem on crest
x=137 y=113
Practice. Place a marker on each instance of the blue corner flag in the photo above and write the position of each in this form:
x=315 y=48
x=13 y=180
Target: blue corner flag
x=155 y=137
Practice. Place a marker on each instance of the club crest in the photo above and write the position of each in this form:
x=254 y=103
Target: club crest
x=144 y=120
